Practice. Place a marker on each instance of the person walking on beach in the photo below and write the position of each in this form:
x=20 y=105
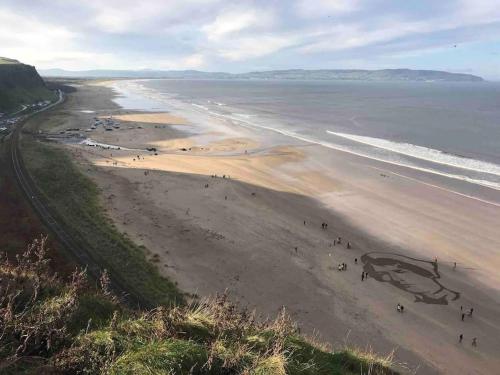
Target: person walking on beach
x=454 y=265
x=363 y=276
x=304 y=222
x=470 y=311
x=463 y=316
x=474 y=341
x=460 y=338
x=348 y=245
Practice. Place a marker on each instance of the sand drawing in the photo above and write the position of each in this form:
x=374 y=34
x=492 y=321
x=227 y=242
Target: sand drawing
x=416 y=276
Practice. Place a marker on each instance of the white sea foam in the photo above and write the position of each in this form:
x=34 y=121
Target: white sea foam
x=424 y=153
x=155 y=95
x=482 y=182
x=199 y=106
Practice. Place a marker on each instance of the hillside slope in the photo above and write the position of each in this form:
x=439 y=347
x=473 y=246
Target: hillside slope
x=291 y=74
x=55 y=326
x=20 y=84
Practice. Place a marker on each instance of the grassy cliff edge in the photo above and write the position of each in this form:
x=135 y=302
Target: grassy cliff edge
x=20 y=84
x=69 y=327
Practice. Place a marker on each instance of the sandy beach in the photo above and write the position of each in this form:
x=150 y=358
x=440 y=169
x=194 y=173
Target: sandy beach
x=237 y=212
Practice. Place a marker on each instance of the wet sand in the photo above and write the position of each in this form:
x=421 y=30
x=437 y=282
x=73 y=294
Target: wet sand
x=246 y=233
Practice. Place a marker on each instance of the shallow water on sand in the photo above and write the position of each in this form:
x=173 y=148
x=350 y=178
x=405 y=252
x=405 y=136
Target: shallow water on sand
x=446 y=129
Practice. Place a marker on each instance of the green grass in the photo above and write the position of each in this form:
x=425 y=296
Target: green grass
x=75 y=200
x=68 y=327
x=12 y=99
x=4 y=60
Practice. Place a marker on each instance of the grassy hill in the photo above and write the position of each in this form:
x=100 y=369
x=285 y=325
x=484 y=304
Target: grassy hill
x=55 y=326
x=291 y=74
x=20 y=84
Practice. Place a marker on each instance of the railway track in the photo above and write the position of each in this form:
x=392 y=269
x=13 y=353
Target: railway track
x=43 y=209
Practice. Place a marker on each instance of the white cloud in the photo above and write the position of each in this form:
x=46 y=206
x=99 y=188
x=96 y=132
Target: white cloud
x=325 y=8
x=252 y=47
x=478 y=11
x=25 y=38
x=131 y=16
x=194 y=61
x=239 y=33
x=176 y=34
x=230 y=22
x=348 y=36
x=19 y=30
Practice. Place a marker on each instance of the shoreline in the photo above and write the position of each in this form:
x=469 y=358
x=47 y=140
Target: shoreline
x=261 y=230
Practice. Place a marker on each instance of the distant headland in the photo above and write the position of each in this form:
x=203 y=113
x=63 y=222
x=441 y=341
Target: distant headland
x=291 y=74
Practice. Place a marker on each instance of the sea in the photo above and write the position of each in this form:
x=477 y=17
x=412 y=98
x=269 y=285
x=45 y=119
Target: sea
x=441 y=128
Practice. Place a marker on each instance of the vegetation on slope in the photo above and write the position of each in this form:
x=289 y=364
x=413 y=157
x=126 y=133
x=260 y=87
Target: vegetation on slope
x=75 y=200
x=56 y=327
x=20 y=84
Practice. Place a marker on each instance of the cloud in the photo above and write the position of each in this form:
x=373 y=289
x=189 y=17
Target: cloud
x=194 y=61
x=26 y=38
x=240 y=35
x=232 y=21
x=325 y=8
x=251 y=47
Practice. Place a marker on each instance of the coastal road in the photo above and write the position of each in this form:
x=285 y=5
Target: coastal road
x=44 y=211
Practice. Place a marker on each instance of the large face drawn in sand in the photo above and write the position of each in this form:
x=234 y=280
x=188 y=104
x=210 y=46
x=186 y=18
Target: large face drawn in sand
x=415 y=276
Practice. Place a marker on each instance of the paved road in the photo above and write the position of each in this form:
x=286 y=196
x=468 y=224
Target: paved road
x=42 y=208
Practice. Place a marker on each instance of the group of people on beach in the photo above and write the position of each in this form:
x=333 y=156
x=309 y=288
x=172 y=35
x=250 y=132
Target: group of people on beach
x=338 y=241
x=461 y=338
x=342 y=267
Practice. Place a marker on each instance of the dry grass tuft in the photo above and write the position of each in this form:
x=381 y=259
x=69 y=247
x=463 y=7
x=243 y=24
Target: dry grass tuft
x=67 y=327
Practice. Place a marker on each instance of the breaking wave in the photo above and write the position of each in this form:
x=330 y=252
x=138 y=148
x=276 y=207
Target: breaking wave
x=424 y=153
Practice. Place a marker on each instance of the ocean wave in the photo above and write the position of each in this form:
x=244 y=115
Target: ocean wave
x=243 y=115
x=200 y=106
x=483 y=182
x=424 y=153
x=245 y=122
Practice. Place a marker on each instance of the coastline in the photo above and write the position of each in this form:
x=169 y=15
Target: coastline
x=246 y=243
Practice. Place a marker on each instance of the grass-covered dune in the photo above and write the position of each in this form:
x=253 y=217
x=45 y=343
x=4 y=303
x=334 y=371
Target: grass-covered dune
x=54 y=326
x=74 y=201
x=20 y=84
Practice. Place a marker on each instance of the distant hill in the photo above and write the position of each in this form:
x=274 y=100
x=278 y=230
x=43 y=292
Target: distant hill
x=292 y=74
x=20 y=84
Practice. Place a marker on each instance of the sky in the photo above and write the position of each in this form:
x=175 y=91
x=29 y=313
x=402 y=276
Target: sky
x=239 y=36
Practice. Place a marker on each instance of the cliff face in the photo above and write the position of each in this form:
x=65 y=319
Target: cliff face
x=20 y=84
